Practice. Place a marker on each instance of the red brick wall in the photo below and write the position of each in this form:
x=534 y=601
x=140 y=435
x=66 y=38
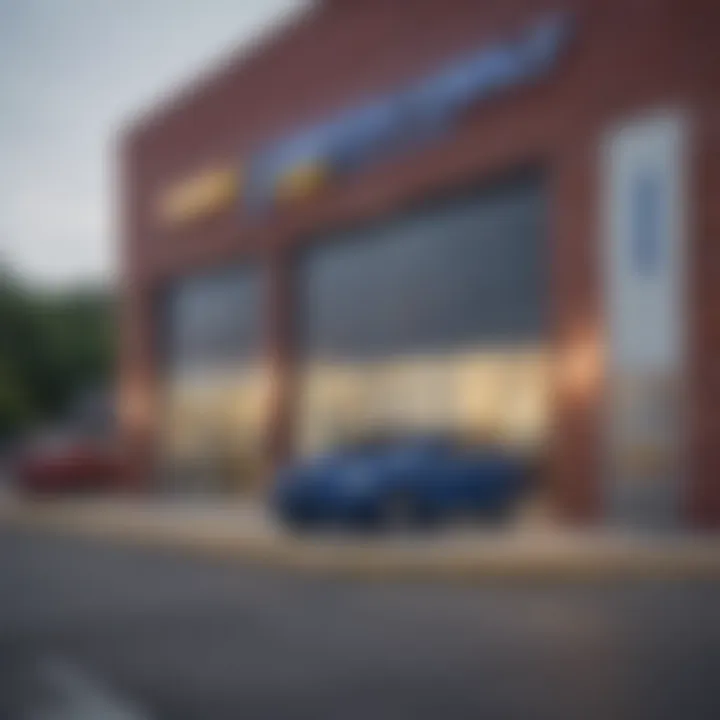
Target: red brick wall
x=627 y=56
x=702 y=61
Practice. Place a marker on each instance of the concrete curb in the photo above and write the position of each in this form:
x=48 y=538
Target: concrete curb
x=477 y=557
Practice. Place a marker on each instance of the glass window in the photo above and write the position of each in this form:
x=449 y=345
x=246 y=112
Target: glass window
x=466 y=271
x=215 y=319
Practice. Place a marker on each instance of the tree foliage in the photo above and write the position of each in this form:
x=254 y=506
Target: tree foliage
x=53 y=346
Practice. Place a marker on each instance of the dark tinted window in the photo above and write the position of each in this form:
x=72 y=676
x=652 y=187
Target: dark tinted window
x=465 y=271
x=214 y=319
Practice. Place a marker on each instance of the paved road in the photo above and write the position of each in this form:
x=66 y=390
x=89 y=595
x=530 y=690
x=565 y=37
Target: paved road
x=96 y=631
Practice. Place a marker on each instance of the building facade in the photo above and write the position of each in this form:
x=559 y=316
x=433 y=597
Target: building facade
x=492 y=216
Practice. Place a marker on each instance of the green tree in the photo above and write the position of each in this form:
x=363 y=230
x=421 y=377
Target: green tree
x=53 y=346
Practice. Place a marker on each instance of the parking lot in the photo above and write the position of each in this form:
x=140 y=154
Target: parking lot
x=88 y=628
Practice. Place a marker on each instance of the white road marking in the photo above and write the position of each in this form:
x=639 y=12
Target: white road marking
x=69 y=692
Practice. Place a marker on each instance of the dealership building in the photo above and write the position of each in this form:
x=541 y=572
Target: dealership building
x=495 y=218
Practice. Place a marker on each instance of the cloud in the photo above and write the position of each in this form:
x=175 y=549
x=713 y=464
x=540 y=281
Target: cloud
x=72 y=72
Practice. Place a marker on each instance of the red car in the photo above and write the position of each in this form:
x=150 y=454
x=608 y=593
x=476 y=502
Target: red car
x=63 y=463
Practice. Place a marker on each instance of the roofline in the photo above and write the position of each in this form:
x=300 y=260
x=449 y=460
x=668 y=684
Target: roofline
x=138 y=122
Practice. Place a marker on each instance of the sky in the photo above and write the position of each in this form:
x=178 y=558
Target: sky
x=72 y=72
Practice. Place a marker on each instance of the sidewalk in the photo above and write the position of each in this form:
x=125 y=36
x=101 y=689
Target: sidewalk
x=244 y=532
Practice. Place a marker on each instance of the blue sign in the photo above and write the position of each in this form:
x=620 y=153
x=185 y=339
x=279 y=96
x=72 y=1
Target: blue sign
x=646 y=199
x=413 y=114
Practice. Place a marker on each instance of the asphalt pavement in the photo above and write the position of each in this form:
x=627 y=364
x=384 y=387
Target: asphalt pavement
x=89 y=629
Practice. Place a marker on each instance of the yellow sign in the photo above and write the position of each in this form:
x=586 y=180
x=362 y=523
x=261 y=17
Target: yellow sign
x=199 y=196
x=302 y=181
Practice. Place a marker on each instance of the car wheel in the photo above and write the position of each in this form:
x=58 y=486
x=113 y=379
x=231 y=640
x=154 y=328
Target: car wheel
x=399 y=511
x=497 y=515
x=296 y=525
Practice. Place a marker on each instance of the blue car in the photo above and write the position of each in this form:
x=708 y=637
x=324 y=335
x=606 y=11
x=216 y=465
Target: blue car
x=406 y=482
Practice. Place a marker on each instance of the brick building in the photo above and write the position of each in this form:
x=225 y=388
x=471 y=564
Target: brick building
x=578 y=144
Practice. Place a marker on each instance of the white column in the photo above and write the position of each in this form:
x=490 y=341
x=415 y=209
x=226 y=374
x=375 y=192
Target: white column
x=644 y=257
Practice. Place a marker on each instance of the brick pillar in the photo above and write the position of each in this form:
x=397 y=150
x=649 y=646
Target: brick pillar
x=703 y=496
x=136 y=364
x=280 y=352
x=577 y=333
x=137 y=390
